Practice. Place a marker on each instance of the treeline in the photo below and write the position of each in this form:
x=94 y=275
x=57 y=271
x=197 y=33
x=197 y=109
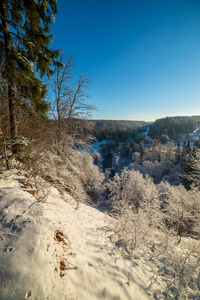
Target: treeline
x=119 y=124
x=174 y=127
x=120 y=133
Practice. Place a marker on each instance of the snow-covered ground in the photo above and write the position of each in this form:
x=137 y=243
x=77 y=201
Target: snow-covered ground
x=53 y=251
x=95 y=147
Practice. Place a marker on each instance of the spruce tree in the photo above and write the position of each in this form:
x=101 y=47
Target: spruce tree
x=127 y=148
x=134 y=146
x=178 y=152
x=188 y=148
x=141 y=150
x=24 y=50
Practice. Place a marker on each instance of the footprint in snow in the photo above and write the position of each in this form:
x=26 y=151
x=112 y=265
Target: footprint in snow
x=9 y=249
x=28 y=294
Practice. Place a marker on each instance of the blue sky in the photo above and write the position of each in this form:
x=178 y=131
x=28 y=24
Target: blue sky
x=143 y=56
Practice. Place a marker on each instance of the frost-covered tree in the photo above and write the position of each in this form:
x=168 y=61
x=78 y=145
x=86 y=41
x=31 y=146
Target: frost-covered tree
x=72 y=171
x=129 y=187
x=192 y=169
x=182 y=208
x=151 y=205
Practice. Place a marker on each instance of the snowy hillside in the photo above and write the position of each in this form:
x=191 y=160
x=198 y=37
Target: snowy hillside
x=54 y=251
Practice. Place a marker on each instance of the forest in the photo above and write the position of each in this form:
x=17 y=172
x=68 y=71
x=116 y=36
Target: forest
x=151 y=188
x=175 y=127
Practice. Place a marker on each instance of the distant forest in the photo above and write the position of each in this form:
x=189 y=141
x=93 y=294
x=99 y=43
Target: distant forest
x=119 y=130
x=174 y=127
x=119 y=124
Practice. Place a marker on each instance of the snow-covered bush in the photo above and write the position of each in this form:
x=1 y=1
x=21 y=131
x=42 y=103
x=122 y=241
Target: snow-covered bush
x=159 y=162
x=91 y=177
x=128 y=187
x=136 y=205
x=138 y=192
x=182 y=208
x=156 y=169
x=75 y=169
x=159 y=171
x=175 y=175
x=148 y=219
x=67 y=168
x=179 y=267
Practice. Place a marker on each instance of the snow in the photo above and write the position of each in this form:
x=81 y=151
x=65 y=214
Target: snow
x=96 y=146
x=53 y=250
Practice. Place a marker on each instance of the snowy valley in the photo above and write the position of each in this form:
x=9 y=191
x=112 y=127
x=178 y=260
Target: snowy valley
x=70 y=231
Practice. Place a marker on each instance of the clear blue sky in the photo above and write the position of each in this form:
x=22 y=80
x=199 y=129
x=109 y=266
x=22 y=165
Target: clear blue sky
x=143 y=56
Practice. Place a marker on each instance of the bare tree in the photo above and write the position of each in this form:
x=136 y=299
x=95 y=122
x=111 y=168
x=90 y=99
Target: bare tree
x=70 y=104
x=63 y=75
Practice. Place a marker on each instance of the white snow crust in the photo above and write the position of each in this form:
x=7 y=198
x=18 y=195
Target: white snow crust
x=54 y=251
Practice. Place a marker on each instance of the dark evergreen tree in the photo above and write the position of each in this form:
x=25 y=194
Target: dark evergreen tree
x=190 y=169
x=96 y=159
x=127 y=148
x=24 y=50
x=156 y=142
x=178 y=152
x=155 y=149
x=184 y=145
x=164 y=139
x=141 y=150
x=184 y=155
x=197 y=143
x=134 y=146
x=188 y=148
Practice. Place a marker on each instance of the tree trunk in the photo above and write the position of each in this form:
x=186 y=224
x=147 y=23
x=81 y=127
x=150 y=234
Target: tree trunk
x=6 y=156
x=10 y=69
x=12 y=110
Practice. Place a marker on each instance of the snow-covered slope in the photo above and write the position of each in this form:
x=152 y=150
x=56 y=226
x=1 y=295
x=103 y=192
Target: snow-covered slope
x=54 y=251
